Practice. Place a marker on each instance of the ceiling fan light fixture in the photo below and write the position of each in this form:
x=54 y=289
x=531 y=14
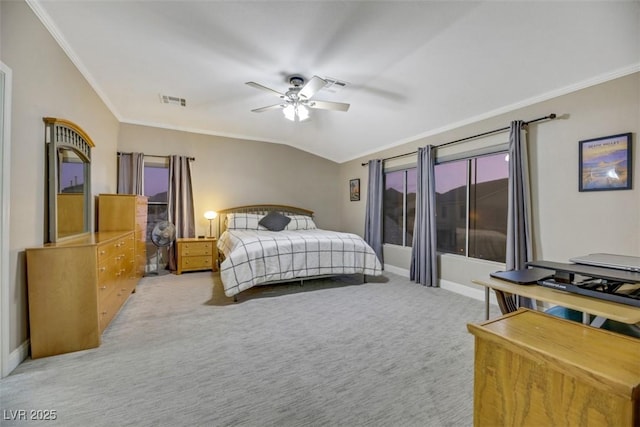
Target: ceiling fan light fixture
x=296 y=112
x=289 y=112
x=297 y=100
x=302 y=113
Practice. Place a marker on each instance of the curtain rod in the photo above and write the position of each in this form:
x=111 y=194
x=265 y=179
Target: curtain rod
x=153 y=155
x=550 y=117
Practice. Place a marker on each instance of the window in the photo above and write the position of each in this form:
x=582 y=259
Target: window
x=399 y=208
x=156 y=188
x=471 y=206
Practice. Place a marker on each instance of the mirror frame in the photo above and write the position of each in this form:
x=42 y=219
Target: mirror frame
x=64 y=134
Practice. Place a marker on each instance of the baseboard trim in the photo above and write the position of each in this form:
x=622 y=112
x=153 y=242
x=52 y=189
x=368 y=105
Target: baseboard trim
x=397 y=270
x=16 y=357
x=449 y=286
x=467 y=291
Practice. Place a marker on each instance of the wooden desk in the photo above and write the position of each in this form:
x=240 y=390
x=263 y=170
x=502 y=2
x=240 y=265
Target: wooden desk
x=532 y=369
x=593 y=306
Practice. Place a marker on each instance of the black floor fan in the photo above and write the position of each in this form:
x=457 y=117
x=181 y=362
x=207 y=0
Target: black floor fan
x=162 y=236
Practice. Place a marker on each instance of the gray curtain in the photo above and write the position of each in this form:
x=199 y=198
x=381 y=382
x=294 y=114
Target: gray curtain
x=180 y=203
x=424 y=263
x=373 y=214
x=130 y=173
x=519 y=236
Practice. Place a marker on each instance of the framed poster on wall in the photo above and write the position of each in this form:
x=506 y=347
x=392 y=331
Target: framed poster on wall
x=354 y=190
x=605 y=163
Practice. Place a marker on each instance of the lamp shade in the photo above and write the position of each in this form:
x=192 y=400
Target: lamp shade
x=210 y=214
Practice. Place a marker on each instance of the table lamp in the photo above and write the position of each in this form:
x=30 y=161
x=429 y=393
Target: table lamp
x=210 y=215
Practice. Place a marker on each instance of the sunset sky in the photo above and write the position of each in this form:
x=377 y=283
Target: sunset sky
x=452 y=175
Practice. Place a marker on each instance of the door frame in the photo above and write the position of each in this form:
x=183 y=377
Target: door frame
x=5 y=175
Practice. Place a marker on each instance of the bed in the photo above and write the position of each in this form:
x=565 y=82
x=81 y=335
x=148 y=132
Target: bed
x=252 y=254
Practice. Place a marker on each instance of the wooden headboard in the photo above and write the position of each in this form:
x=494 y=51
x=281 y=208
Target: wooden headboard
x=259 y=209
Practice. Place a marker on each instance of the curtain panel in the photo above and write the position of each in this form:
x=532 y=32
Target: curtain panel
x=373 y=214
x=131 y=173
x=519 y=235
x=424 y=262
x=180 y=202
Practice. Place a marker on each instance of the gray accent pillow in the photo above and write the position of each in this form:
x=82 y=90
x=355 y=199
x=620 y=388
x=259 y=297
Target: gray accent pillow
x=274 y=221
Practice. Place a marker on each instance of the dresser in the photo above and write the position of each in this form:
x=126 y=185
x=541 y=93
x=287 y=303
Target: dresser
x=196 y=254
x=76 y=287
x=533 y=369
x=126 y=212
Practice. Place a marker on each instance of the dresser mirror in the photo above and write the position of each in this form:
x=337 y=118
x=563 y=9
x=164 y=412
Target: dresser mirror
x=69 y=180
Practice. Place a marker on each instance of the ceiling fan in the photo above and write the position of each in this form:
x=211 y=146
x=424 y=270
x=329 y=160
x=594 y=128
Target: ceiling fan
x=297 y=100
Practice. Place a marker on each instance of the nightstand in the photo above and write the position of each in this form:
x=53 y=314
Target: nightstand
x=196 y=254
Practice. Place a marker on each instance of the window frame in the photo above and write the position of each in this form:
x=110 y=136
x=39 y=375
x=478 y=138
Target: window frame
x=159 y=162
x=468 y=157
x=405 y=170
x=497 y=143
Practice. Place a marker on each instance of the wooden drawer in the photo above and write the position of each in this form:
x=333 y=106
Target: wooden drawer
x=106 y=278
x=104 y=291
x=108 y=307
x=111 y=299
x=106 y=251
x=196 y=262
x=197 y=248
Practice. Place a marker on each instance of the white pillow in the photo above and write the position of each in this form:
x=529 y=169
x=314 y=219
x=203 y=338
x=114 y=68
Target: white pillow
x=244 y=221
x=300 y=222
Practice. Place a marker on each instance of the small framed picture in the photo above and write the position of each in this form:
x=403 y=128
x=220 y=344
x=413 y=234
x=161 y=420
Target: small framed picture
x=354 y=189
x=605 y=163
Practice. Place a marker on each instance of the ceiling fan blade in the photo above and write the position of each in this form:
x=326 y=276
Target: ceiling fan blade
x=270 y=107
x=328 y=105
x=312 y=87
x=267 y=89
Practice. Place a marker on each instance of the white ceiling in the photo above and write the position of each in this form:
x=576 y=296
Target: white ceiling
x=413 y=68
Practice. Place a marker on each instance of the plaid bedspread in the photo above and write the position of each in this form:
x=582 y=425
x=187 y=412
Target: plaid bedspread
x=253 y=257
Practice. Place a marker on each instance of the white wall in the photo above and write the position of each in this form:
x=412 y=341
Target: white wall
x=45 y=83
x=231 y=172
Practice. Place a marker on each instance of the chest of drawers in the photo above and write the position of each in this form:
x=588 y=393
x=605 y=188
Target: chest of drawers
x=75 y=289
x=196 y=254
x=126 y=212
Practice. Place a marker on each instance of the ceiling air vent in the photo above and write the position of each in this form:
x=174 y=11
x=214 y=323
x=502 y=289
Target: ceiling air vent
x=165 y=99
x=334 y=85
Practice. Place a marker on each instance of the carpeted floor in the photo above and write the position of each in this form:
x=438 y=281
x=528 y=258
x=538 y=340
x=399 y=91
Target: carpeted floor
x=330 y=353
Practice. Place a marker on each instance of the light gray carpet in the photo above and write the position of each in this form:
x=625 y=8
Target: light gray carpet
x=332 y=353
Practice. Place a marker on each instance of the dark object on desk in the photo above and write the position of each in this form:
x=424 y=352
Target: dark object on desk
x=610 y=284
x=528 y=276
x=598 y=288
